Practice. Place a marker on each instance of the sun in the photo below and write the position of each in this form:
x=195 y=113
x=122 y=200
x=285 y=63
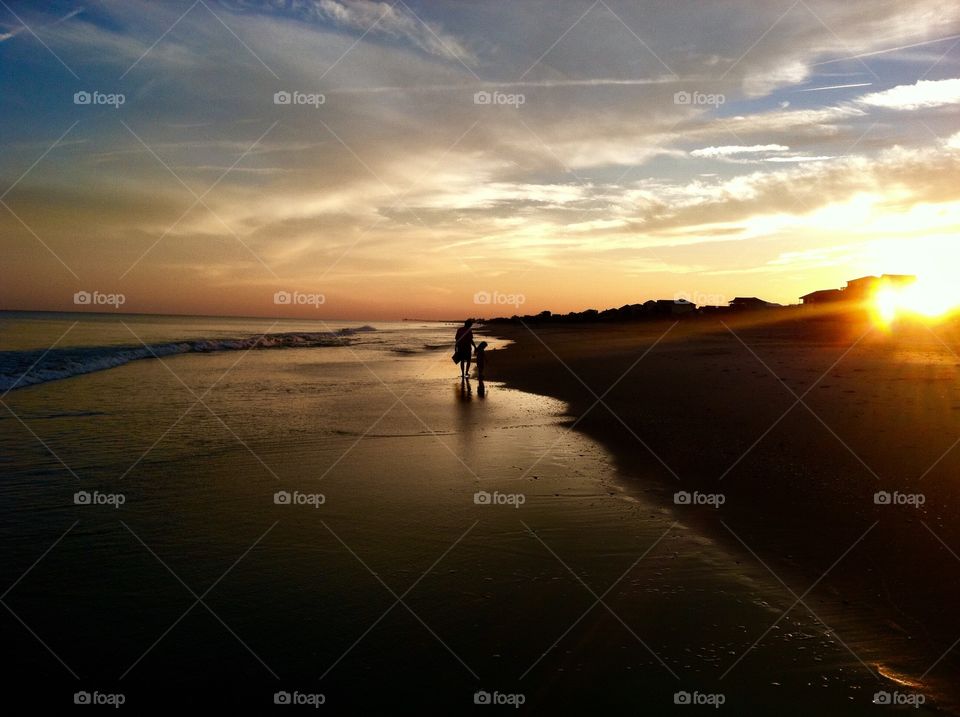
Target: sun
x=925 y=298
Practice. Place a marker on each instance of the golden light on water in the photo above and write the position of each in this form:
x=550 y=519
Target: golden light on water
x=898 y=678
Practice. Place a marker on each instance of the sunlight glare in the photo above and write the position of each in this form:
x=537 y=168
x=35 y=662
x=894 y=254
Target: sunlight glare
x=925 y=298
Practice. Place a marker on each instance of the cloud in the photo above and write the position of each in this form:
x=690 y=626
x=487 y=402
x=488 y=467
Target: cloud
x=921 y=95
x=799 y=158
x=420 y=184
x=381 y=18
x=759 y=84
x=748 y=154
x=732 y=150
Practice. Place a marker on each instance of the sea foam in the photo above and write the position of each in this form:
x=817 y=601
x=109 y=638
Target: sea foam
x=19 y=369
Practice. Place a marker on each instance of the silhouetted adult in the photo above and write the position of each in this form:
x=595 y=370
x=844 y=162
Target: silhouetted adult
x=463 y=347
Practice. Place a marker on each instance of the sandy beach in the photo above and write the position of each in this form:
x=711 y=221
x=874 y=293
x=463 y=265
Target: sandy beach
x=553 y=357
x=444 y=547
x=716 y=408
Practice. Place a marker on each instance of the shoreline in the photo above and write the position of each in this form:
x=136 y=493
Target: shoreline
x=511 y=595
x=798 y=480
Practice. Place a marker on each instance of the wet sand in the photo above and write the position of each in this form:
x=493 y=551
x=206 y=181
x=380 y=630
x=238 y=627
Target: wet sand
x=498 y=596
x=713 y=409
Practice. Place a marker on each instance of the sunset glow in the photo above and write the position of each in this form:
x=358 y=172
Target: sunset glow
x=501 y=305
x=400 y=159
x=927 y=299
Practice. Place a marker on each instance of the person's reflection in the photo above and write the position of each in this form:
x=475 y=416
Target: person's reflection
x=465 y=394
x=481 y=390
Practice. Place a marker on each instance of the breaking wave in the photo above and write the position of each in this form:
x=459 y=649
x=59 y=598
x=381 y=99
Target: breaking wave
x=19 y=369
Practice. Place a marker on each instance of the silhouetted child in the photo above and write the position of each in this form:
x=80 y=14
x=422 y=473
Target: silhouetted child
x=481 y=357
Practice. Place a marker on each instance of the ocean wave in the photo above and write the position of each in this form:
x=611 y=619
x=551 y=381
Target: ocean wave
x=19 y=369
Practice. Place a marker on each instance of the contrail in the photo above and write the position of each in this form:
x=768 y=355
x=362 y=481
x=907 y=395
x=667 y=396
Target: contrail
x=836 y=87
x=889 y=49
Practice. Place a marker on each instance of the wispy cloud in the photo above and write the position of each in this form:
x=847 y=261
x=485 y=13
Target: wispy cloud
x=4 y=36
x=923 y=94
x=733 y=150
x=395 y=20
x=406 y=177
x=799 y=158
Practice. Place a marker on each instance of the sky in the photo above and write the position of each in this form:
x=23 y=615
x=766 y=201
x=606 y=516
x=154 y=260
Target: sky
x=444 y=159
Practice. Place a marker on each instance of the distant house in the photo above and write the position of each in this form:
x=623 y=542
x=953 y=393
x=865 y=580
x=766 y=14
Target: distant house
x=862 y=287
x=824 y=296
x=667 y=307
x=750 y=303
x=673 y=307
x=858 y=290
x=630 y=311
x=682 y=306
x=867 y=285
x=898 y=279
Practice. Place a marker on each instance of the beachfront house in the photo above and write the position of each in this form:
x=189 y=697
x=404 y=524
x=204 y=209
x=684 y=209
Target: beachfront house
x=866 y=285
x=824 y=296
x=861 y=288
x=750 y=303
x=858 y=290
x=898 y=279
x=669 y=307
